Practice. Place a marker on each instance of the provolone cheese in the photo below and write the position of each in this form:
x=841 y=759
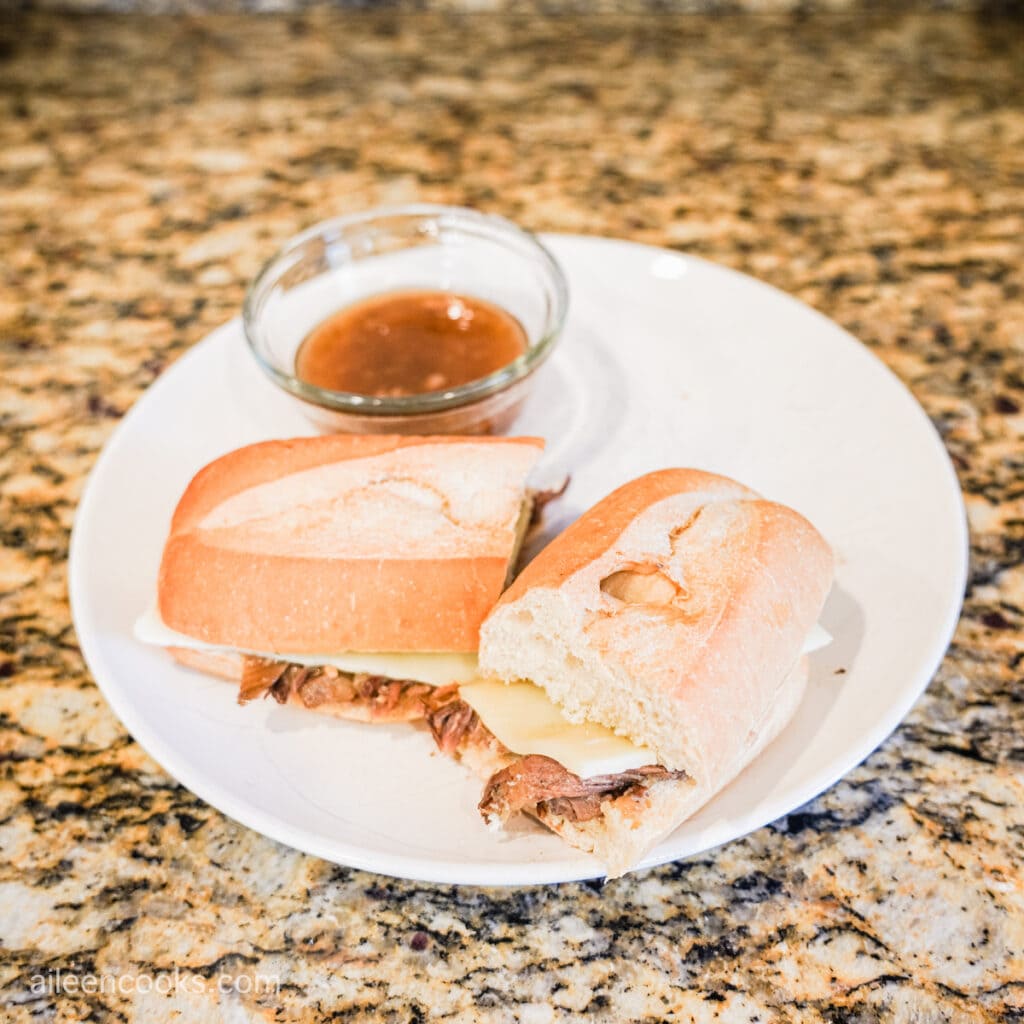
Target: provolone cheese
x=435 y=669
x=525 y=720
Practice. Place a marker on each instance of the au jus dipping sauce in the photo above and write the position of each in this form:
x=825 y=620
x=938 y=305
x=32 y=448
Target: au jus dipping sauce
x=409 y=343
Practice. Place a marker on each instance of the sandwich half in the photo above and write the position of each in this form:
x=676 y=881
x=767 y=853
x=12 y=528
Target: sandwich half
x=641 y=661
x=347 y=574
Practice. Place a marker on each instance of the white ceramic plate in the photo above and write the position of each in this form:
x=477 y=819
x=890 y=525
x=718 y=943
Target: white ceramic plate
x=666 y=360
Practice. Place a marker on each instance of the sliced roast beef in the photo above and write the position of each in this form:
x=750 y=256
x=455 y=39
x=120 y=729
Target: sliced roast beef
x=541 y=785
x=290 y=682
x=542 y=498
x=258 y=676
x=452 y=721
x=391 y=698
x=329 y=686
x=324 y=686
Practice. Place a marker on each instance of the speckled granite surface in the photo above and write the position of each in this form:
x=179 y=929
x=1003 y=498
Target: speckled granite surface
x=874 y=169
x=521 y=7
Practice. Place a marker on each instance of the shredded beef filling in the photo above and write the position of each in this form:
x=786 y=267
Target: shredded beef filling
x=454 y=724
x=543 y=498
x=540 y=784
x=325 y=685
x=534 y=783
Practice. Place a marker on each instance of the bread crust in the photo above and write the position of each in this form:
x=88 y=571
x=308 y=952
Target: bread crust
x=216 y=585
x=296 y=605
x=597 y=529
x=268 y=460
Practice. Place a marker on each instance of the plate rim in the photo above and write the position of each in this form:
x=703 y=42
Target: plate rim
x=523 y=873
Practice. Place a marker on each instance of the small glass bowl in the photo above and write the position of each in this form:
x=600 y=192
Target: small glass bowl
x=448 y=248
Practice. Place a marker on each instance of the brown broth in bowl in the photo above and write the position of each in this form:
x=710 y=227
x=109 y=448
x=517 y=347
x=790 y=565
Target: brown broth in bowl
x=408 y=343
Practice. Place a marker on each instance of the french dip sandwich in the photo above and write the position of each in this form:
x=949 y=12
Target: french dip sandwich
x=347 y=574
x=640 y=662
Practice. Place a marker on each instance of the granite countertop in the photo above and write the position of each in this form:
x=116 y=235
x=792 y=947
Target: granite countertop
x=870 y=166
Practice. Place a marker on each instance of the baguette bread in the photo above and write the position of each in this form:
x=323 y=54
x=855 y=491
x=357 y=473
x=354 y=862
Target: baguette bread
x=344 y=574
x=346 y=543
x=673 y=613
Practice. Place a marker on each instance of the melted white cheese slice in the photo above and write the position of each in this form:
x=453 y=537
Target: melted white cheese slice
x=524 y=718
x=527 y=721
x=435 y=669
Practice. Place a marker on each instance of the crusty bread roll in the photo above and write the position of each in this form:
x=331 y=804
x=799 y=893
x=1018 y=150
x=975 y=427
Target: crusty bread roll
x=347 y=543
x=673 y=612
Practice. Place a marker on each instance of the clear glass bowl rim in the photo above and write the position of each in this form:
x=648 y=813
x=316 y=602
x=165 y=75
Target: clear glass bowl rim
x=431 y=401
